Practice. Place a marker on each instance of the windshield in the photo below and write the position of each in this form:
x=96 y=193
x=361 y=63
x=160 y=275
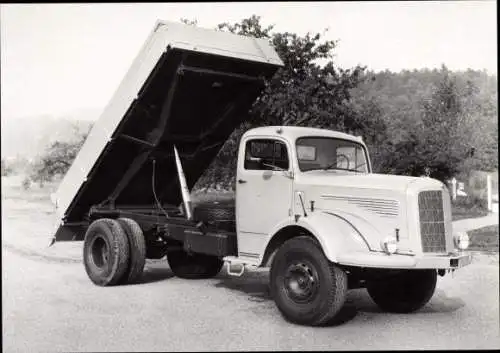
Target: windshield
x=330 y=153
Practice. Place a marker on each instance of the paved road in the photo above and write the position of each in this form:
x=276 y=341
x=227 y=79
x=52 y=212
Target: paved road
x=50 y=305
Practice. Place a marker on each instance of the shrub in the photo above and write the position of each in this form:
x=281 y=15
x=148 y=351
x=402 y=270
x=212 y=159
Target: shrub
x=471 y=202
x=56 y=159
x=6 y=168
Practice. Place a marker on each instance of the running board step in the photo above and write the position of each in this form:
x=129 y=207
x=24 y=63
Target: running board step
x=233 y=261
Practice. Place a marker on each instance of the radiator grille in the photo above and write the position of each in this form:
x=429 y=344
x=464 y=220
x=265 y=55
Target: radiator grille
x=432 y=231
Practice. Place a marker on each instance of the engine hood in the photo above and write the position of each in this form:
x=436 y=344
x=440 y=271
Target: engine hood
x=398 y=183
x=375 y=204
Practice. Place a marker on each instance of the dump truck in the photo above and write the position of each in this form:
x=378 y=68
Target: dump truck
x=307 y=204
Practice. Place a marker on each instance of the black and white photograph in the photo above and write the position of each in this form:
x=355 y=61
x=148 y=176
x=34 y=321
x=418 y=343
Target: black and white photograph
x=249 y=176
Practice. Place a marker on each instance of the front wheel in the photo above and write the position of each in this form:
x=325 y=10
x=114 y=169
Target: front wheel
x=306 y=287
x=405 y=292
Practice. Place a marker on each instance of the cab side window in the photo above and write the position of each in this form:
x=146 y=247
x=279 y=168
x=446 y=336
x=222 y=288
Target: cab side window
x=265 y=154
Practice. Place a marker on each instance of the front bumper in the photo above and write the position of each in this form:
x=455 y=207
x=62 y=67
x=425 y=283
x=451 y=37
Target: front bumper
x=398 y=261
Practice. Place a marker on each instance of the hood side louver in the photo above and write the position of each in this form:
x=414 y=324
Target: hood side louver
x=382 y=207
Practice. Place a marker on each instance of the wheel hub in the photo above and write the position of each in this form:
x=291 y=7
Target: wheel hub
x=300 y=282
x=99 y=252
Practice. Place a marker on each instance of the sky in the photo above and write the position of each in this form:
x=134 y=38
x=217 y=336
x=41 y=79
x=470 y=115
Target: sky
x=62 y=58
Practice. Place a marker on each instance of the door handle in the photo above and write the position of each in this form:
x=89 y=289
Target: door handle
x=241 y=181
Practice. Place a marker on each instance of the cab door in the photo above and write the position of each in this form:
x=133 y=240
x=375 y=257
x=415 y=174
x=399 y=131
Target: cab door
x=264 y=189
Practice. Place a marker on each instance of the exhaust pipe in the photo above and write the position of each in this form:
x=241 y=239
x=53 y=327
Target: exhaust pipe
x=186 y=198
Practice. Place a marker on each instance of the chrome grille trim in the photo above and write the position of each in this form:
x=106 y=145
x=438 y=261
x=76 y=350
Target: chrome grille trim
x=432 y=225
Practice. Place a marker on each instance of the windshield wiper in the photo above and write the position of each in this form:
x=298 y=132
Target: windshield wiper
x=308 y=170
x=337 y=168
x=332 y=168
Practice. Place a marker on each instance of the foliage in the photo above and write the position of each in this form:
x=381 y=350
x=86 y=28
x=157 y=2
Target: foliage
x=6 y=168
x=437 y=119
x=302 y=93
x=57 y=158
x=484 y=239
x=189 y=22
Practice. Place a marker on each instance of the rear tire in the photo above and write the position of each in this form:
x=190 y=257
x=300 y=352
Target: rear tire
x=405 y=292
x=306 y=287
x=106 y=253
x=193 y=266
x=137 y=249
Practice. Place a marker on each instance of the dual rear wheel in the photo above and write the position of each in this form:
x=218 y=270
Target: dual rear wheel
x=114 y=253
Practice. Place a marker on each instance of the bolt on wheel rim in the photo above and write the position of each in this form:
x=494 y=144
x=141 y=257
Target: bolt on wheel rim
x=99 y=252
x=301 y=282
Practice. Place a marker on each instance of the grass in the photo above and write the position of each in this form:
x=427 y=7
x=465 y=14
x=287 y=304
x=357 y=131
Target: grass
x=484 y=239
x=464 y=211
x=12 y=189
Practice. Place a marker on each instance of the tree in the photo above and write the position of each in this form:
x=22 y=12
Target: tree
x=189 y=22
x=445 y=121
x=6 y=168
x=58 y=157
x=302 y=93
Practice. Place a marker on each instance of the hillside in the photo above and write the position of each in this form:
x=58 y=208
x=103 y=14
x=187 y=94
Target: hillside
x=29 y=136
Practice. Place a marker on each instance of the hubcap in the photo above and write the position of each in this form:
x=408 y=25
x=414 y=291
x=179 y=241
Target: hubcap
x=301 y=282
x=99 y=252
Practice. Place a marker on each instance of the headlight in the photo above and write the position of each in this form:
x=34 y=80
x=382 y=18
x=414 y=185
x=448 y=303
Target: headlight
x=461 y=240
x=390 y=245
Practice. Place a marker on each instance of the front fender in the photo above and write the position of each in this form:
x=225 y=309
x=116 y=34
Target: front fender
x=370 y=234
x=335 y=234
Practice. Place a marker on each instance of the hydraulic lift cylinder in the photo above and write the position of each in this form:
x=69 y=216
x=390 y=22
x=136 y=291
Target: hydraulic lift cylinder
x=186 y=198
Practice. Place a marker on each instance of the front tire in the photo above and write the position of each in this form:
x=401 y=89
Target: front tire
x=306 y=287
x=106 y=252
x=193 y=266
x=405 y=292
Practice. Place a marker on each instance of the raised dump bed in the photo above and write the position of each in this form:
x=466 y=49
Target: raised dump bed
x=188 y=87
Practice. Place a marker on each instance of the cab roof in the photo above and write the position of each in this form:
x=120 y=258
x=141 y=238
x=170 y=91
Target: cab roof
x=294 y=132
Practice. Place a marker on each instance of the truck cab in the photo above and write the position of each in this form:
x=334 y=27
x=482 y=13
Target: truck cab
x=320 y=182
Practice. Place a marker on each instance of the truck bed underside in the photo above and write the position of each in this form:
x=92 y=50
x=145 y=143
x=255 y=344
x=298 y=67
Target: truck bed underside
x=191 y=100
x=165 y=225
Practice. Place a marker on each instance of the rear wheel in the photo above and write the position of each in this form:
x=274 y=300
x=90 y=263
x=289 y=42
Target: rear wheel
x=137 y=250
x=307 y=288
x=106 y=252
x=193 y=266
x=405 y=292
